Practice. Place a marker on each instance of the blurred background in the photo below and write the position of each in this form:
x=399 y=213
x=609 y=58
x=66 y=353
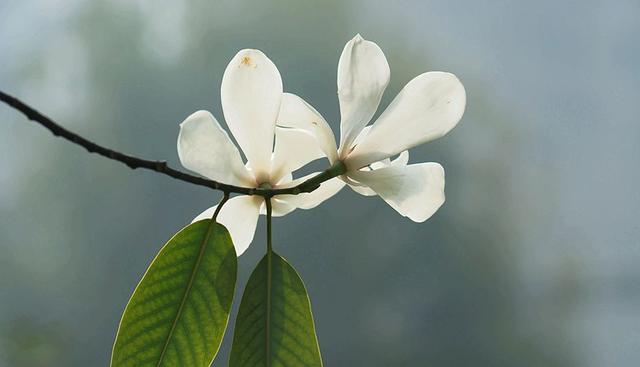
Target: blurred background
x=532 y=261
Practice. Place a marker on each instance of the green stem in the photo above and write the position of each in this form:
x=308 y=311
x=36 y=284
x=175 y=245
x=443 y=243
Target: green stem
x=269 y=271
x=269 y=215
x=314 y=182
x=225 y=197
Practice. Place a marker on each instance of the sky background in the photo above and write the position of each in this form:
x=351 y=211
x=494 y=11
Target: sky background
x=533 y=259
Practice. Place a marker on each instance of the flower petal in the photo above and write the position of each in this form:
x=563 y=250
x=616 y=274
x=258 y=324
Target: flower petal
x=204 y=147
x=428 y=107
x=294 y=148
x=402 y=160
x=363 y=190
x=295 y=112
x=240 y=216
x=312 y=199
x=361 y=135
x=251 y=92
x=415 y=191
x=279 y=208
x=363 y=75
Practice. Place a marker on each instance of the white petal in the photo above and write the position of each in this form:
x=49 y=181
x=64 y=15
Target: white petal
x=403 y=157
x=402 y=160
x=295 y=112
x=363 y=75
x=240 y=216
x=251 y=92
x=312 y=199
x=279 y=208
x=294 y=148
x=204 y=147
x=285 y=179
x=363 y=190
x=428 y=107
x=415 y=191
x=361 y=135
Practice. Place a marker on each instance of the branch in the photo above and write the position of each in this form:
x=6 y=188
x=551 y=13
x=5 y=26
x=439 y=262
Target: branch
x=161 y=166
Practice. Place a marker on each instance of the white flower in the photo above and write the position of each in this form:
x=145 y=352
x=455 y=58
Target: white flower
x=251 y=94
x=427 y=108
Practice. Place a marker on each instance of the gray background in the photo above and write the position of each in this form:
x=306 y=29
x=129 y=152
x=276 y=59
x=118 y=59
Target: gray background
x=532 y=261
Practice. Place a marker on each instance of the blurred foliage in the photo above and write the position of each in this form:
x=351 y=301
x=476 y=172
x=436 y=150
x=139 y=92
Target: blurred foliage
x=385 y=291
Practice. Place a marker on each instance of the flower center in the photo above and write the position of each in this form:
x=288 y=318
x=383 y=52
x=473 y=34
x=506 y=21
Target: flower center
x=265 y=185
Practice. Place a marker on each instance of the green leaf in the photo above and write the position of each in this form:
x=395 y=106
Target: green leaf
x=179 y=312
x=274 y=326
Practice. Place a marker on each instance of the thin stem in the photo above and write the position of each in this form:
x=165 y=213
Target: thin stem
x=225 y=197
x=269 y=215
x=314 y=182
x=134 y=162
x=269 y=274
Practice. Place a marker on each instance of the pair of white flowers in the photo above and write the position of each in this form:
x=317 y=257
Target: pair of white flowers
x=257 y=111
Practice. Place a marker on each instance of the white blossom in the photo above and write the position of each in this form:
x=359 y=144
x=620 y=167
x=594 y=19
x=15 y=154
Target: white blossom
x=252 y=102
x=427 y=108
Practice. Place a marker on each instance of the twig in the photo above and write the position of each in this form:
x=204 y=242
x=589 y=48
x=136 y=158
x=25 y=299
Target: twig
x=161 y=166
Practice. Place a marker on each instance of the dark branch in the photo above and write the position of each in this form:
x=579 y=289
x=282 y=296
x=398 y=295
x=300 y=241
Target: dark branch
x=160 y=166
